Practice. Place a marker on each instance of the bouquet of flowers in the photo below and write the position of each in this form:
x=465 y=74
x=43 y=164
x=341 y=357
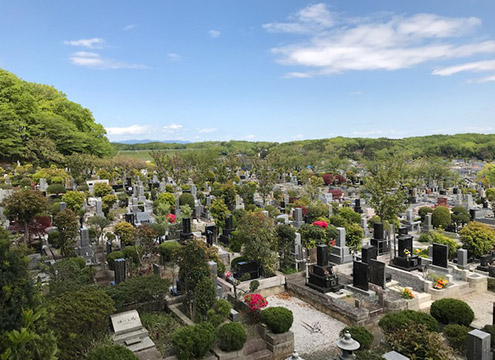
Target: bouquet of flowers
x=417 y=251
x=407 y=294
x=440 y=284
x=407 y=252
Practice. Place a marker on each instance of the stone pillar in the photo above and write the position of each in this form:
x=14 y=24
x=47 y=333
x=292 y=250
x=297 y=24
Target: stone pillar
x=478 y=345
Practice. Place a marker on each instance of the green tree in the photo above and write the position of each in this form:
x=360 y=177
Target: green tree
x=79 y=319
x=460 y=215
x=67 y=224
x=219 y=211
x=441 y=217
x=487 y=175
x=126 y=233
x=74 y=200
x=477 y=238
x=187 y=199
x=22 y=206
x=111 y=352
x=353 y=236
x=100 y=189
x=286 y=235
x=165 y=198
x=69 y=275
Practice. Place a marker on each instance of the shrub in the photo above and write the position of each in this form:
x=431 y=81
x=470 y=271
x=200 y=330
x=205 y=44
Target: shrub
x=111 y=352
x=452 y=311
x=439 y=238
x=245 y=277
x=112 y=256
x=491 y=330
x=254 y=285
x=194 y=341
x=278 y=319
x=187 y=199
x=403 y=319
x=477 y=238
x=55 y=189
x=423 y=211
x=168 y=250
x=424 y=237
x=491 y=284
x=130 y=252
x=362 y=335
x=456 y=336
x=441 y=217
x=161 y=327
x=219 y=312
x=368 y=355
x=231 y=336
x=204 y=298
x=54 y=238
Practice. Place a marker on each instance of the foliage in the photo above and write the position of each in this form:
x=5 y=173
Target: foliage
x=79 y=318
x=491 y=330
x=111 y=258
x=18 y=291
x=441 y=217
x=456 y=336
x=140 y=289
x=439 y=238
x=417 y=342
x=111 y=352
x=165 y=198
x=34 y=340
x=168 y=250
x=368 y=355
x=187 y=199
x=423 y=211
x=99 y=223
x=315 y=235
x=460 y=215
x=487 y=175
x=101 y=189
x=362 y=335
x=424 y=238
x=126 y=232
x=403 y=319
x=254 y=285
x=219 y=211
x=349 y=215
x=219 y=312
x=56 y=189
x=23 y=205
x=69 y=275
x=285 y=235
x=160 y=326
x=194 y=341
x=353 y=236
x=74 y=200
x=255 y=302
x=452 y=311
x=315 y=210
x=231 y=336
x=407 y=294
x=67 y=224
x=205 y=295
x=477 y=238
x=108 y=201
x=278 y=319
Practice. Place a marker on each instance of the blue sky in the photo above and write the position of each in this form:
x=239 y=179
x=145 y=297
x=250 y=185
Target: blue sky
x=275 y=70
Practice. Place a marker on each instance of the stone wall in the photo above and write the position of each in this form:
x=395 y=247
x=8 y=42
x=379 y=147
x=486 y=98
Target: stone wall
x=406 y=279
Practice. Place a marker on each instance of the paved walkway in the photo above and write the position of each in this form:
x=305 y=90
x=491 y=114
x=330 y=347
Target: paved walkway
x=482 y=305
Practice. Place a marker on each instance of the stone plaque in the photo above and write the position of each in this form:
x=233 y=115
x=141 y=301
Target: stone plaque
x=126 y=321
x=360 y=275
x=377 y=273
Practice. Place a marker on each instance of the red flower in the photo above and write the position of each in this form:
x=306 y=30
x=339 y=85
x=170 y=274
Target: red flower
x=170 y=218
x=321 y=224
x=255 y=302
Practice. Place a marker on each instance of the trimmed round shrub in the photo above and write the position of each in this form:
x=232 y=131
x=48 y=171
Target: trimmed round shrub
x=231 y=336
x=278 y=319
x=111 y=352
x=423 y=211
x=168 y=250
x=452 y=311
x=254 y=285
x=187 y=199
x=403 y=319
x=193 y=341
x=219 y=312
x=441 y=217
x=55 y=189
x=112 y=256
x=456 y=336
x=362 y=335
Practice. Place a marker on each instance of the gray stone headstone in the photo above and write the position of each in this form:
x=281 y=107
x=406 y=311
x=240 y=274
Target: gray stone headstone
x=43 y=184
x=340 y=237
x=394 y=355
x=62 y=206
x=478 y=345
x=462 y=257
x=84 y=234
x=99 y=209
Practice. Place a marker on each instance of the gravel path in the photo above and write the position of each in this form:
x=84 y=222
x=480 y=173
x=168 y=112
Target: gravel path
x=305 y=315
x=482 y=305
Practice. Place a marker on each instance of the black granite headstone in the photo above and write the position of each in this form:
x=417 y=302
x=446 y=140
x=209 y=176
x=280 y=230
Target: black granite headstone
x=322 y=255
x=472 y=213
x=360 y=275
x=405 y=243
x=440 y=255
x=247 y=267
x=357 y=206
x=377 y=273
x=378 y=231
x=403 y=230
x=368 y=252
x=229 y=224
x=130 y=218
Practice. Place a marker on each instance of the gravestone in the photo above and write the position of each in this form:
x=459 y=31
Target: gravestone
x=99 y=210
x=109 y=247
x=364 y=226
x=462 y=257
x=247 y=267
x=357 y=206
x=377 y=273
x=130 y=332
x=156 y=269
x=120 y=270
x=440 y=255
x=298 y=217
x=427 y=226
x=478 y=345
x=368 y=252
x=43 y=185
x=186 y=229
x=340 y=252
x=62 y=206
x=378 y=239
x=485 y=261
x=360 y=275
x=321 y=277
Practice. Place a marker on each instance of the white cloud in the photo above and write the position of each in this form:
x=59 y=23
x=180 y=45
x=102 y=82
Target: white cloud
x=174 y=57
x=129 y=27
x=248 y=137
x=482 y=80
x=96 y=61
x=93 y=43
x=297 y=75
x=172 y=128
x=214 y=33
x=386 y=42
x=129 y=130
x=477 y=66
x=206 y=130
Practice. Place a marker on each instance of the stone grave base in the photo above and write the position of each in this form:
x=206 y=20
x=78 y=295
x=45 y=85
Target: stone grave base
x=340 y=294
x=361 y=291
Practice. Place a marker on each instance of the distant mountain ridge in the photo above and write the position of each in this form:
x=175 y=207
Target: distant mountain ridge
x=146 y=141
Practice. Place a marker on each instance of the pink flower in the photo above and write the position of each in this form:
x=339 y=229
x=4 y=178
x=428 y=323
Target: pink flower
x=255 y=302
x=321 y=224
x=170 y=218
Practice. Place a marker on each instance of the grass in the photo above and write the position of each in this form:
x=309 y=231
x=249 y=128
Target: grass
x=160 y=326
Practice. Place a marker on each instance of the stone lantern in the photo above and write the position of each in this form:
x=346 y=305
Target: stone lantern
x=294 y=356
x=347 y=345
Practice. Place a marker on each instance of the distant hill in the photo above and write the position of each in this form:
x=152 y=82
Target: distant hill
x=146 y=141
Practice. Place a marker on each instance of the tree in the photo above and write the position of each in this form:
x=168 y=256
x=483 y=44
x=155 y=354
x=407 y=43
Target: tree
x=187 y=199
x=74 y=200
x=100 y=189
x=165 y=198
x=204 y=298
x=487 y=175
x=313 y=185
x=69 y=275
x=477 y=238
x=460 y=215
x=18 y=291
x=56 y=189
x=441 y=217
x=111 y=352
x=353 y=236
x=99 y=223
x=423 y=211
x=219 y=211
x=22 y=206
x=67 y=224
x=79 y=319
x=126 y=232
x=146 y=236
x=285 y=240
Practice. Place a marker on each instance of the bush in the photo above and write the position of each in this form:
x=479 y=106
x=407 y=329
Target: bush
x=231 y=336
x=456 y=336
x=441 y=217
x=278 y=319
x=368 y=355
x=439 y=238
x=54 y=238
x=405 y=318
x=491 y=284
x=477 y=238
x=361 y=335
x=491 y=330
x=424 y=238
x=423 y=211
x=137 y=290
x=254 y=285
x=161 y=327
x=245 y=277
x=168 y=250
x=187 y=199
x=452 y=311
x=130 y=252
x=194 y=341
x=55 y=189
x=219 y=312
x=112 y=256
x=111 y=352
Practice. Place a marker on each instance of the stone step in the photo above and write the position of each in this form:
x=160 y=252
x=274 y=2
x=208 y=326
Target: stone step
x=145 y=343
x=425 y=306
x=253 y=346
x=121 y=338
x=260 y=355
x=422 y=297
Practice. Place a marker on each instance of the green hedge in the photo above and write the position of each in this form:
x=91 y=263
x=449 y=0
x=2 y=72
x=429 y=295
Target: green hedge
x=278 y=319
x=403 y=319
x=362 y=335
x=112 y=257
x=111 y=352
x=452 y=311
x=456 y=336
x=168 y=250
x=231 y=336
x=194 y=341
